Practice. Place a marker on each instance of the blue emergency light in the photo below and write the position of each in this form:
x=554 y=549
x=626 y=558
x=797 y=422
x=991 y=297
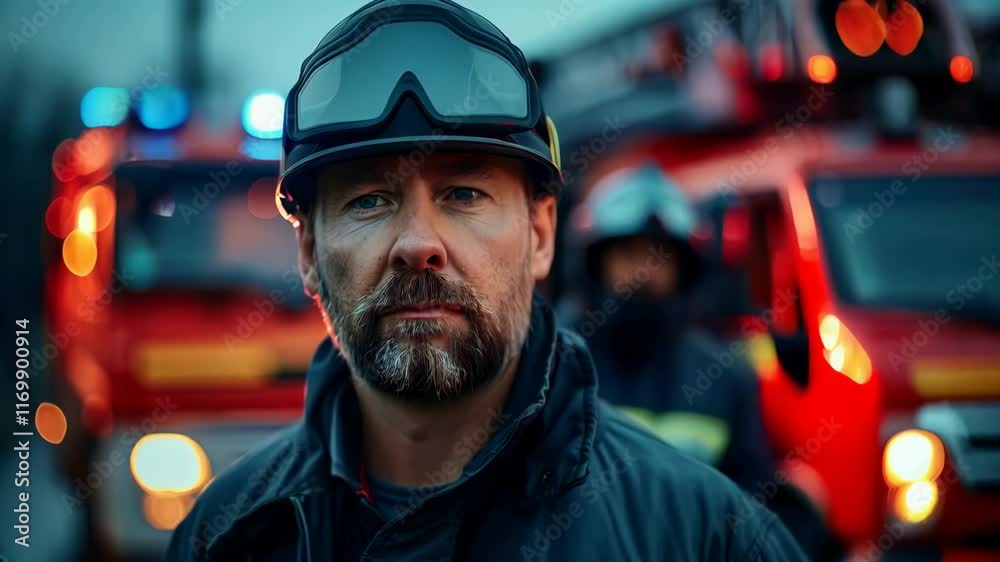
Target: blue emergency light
x=163 y=107
x=104 y=107
x=261 y=149
x=263 y=114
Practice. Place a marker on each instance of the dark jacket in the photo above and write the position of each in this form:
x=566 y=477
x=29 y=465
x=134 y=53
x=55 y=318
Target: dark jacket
x=695 y=392
x=564 y=478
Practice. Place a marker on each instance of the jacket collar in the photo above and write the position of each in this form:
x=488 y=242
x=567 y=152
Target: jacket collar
x=550 y=418
x=552 y=402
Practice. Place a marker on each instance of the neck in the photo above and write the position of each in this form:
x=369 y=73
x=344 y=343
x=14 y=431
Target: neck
x=421 y=444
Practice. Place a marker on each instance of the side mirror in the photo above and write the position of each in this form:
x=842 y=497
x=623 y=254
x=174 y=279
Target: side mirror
x=793 y=356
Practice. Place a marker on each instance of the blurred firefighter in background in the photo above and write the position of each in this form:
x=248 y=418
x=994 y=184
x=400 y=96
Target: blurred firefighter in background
x=640 y=274
x=639 y=271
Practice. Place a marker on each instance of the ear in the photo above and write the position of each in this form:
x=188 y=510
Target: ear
x=543 y=236
x=307 y=256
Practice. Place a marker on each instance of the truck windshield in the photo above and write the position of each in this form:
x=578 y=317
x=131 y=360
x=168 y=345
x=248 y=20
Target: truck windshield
x=930 y=244
x=203 y=227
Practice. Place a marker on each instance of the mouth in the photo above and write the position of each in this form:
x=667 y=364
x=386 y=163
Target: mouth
x=424 y=311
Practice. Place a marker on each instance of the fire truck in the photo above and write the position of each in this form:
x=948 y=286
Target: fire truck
x=859 y=305
x=851 y=228
x=172 y=283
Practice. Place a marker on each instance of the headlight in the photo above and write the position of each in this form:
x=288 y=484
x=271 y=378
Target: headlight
x=166 y=512
x=915 y=502
x=912 y=456
x=169 y=463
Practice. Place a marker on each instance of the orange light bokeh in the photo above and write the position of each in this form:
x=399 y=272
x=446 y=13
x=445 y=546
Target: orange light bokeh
x=961 y=69
x=80 y=253
x=50 y=421
x=86 y=219
x=102 y=200
x=822 y=69
x=165 y=512
x=860 y=27
x=63 y=163
x=93 y=151
x=905 y=28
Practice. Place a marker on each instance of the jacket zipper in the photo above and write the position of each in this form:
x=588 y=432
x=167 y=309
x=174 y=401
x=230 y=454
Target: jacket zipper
x=300 y=518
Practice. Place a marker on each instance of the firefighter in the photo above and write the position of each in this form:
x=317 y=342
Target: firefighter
x=447 y=417
x=633 y=252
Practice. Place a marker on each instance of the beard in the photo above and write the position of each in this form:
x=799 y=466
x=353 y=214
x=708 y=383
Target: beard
x=401 y=359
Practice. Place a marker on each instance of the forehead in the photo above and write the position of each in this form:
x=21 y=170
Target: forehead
x=407 y=168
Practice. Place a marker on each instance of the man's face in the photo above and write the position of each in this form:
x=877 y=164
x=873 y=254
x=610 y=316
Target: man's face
x=425 y=274
x=626 y=260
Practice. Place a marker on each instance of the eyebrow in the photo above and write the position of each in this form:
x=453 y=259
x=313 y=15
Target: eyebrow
x=346 y=179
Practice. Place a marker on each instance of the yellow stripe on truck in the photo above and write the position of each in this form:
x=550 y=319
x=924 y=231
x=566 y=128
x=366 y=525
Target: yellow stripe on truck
x=200 y=364
x=956 y=378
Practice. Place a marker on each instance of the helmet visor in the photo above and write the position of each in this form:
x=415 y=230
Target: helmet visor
x=454 y=79
x=625 y=202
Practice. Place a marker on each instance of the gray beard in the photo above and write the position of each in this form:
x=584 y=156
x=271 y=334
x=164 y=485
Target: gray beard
x=404 y=363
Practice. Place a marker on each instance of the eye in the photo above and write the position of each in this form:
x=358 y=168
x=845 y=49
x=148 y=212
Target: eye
x=466 y=195
x=367 y=202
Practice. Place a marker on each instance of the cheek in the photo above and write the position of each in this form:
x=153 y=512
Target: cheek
x=352 y=267
x=493 y=260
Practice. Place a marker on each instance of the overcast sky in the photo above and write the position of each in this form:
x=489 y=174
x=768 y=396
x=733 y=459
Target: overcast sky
x=249 y=44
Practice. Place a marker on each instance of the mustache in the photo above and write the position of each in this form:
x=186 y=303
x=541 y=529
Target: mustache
x=403 y=288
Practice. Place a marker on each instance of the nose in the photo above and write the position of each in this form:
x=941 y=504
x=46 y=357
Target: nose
x=419 y=245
